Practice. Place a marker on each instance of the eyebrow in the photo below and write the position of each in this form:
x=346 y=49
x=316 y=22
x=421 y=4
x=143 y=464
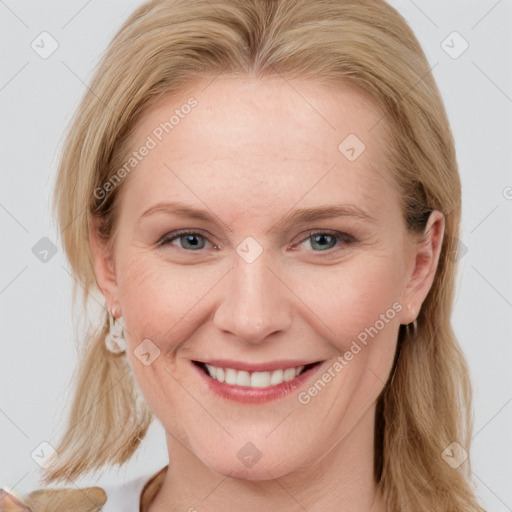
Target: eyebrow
x=296 y=216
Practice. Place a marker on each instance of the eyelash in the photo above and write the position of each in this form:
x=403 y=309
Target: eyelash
x=168 y=238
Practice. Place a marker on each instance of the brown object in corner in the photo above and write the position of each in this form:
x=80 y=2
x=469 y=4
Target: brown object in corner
x=150 y=489
x=88 y=499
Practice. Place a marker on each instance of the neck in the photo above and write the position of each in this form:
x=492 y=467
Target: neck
x=341 y=480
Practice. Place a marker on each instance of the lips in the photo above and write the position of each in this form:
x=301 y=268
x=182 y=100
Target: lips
x=254 y=379
x=260 y=391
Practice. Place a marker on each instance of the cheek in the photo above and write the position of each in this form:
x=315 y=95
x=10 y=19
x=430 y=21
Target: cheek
x=354 y=294
x=161 y=302
x=158 y=299
x=356 y=307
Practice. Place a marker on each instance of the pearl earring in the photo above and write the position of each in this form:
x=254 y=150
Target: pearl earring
x=114 y=340
x=413 y=325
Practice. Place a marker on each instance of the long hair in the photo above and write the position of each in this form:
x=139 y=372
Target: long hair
x=164 y=46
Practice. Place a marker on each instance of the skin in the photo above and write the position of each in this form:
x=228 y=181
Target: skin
x=250 y=152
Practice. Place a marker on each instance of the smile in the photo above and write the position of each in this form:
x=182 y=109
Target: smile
x=254 y=379
x=254 y=386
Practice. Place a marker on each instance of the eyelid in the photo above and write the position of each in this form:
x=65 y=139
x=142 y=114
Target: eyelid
x=168 y=238
x=331 y=232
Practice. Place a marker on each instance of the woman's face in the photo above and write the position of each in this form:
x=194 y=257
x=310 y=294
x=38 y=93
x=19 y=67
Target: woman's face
x=299 y=253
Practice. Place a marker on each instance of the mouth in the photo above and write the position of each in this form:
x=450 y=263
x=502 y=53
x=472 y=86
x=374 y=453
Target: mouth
x=242 y=378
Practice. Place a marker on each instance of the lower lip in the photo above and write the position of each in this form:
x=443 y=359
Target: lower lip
x=251 y=395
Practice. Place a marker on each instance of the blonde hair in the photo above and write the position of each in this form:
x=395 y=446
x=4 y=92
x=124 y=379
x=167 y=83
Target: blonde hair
x=163 y=47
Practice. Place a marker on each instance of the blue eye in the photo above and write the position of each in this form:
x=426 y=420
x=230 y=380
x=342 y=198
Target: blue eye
x=190 y=240
x=325 y=240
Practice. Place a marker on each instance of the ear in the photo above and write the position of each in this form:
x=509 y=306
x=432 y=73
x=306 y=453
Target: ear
x=424 y=259
x=104 y=268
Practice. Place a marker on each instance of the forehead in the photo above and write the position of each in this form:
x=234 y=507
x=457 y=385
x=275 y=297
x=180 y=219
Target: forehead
x=259 y=142
x=297 y=115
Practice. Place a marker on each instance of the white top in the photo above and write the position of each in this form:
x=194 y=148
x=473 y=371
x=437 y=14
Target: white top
x=125 y=497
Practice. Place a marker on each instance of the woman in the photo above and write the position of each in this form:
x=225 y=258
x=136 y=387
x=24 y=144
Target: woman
x=266 y=194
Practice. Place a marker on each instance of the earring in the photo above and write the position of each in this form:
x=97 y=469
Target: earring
x=413 y=325
x=114 y=340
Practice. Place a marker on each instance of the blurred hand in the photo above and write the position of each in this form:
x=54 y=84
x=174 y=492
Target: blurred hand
x=9 y=503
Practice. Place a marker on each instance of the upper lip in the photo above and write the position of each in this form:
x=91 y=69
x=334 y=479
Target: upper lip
x=259 y=367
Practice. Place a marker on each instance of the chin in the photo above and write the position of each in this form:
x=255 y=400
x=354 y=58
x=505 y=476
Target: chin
x=262 y=470
x=249 y=463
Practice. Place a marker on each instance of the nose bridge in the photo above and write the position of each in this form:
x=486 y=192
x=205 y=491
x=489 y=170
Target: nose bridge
x=253 y=303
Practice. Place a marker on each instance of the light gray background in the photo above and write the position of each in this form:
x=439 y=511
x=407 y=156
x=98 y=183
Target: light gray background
x=37 y=98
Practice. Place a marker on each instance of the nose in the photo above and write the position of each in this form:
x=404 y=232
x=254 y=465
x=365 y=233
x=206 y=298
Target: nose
x=254 y=302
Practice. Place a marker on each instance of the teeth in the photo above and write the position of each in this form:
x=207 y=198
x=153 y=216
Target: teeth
x=254 y=379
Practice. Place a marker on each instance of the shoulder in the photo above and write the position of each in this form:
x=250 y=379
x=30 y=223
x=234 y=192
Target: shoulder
x=134 y=494
x=125 y=497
